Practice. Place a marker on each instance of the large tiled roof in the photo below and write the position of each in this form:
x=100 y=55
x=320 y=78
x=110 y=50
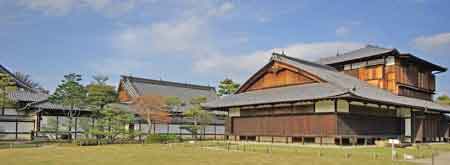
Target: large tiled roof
x=47 y=105
x=27 y=96
x=278 y=95
x=337 y=84
x=35 y=100
x=140 y=87
x=365 y=52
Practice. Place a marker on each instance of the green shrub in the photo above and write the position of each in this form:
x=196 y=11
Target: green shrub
x=169 y=138
x=161 y=138
x=86 y=142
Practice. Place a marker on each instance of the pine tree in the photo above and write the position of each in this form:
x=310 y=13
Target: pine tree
x=72 y=94
x=113 y=123
x=227 y=87
x=200 y=117
x=100 y=94
x=444 y=99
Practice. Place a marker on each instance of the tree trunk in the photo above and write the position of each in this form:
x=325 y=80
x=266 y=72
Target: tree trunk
x=195 y=129
x=149 y=122
x=70 y=121
x=70 y=127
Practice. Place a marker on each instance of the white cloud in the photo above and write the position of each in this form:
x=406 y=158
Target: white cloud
x=343 y=31
x=63 y=7
x=188 y=34
x=433 y=43
x=222 y=9
x=262 y=19
x=241 y=66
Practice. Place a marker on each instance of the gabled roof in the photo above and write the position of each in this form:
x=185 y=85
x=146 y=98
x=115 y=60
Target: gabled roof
x=33 y=98
x=337 y=84
x=136 y=86
x=371 y=51
x=36 y=100
x=47 y=105
x=18 y=82
x=27 y=96
x=368 y=51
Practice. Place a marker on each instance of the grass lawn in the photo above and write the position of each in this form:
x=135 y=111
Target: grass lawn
x=205 y=153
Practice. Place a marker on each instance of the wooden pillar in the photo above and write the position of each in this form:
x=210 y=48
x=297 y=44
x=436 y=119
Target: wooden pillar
x=168 y=128
x=340 y=140
x=57 y=127
x=179 y=130
x=287 y=140
x=76 y=128
x=204 y=132
x=17 y=129
x=215 y=133
x=354 y=140
x=365 y=141
x=335 y=105
x=272 y=139
x=413 y=127
x=140 y=128
x=321 y=140
x=303 y=140
x=37 y=122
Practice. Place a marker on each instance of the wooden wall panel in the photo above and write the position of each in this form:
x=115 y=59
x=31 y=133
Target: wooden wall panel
x=430 y=126
x=286 y=125
x=357 y=124
x=280 y=78
x=278 y=74
x=408 y=92
x=419 y=79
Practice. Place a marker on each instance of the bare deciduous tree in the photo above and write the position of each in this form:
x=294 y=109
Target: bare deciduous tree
x=152 y=108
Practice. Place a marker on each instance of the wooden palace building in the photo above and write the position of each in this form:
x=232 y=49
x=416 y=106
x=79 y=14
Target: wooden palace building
x=30 y=114
x=357 y=97
x=132 y=87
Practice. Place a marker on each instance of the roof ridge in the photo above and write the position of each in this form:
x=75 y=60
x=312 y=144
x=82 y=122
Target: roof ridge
x=169 y=83
x=333 y=77
x=305 y=61
x=17 y=80
x=367 y=46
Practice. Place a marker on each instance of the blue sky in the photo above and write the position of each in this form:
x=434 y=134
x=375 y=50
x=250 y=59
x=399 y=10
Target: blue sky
x=200 y=41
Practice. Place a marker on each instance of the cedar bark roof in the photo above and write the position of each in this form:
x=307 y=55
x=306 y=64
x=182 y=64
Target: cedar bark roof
x=337 y=85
